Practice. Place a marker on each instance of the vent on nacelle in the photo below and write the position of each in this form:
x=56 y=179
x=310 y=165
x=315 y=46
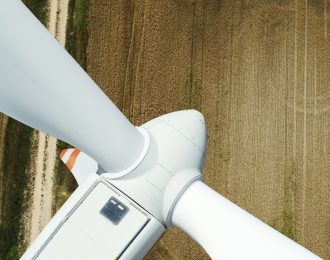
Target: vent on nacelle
x=114 y=210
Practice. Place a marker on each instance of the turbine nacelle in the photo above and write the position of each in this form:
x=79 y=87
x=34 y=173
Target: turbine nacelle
x=171 y=161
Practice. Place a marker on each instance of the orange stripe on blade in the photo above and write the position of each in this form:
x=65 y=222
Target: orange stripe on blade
x=72 y=159
x=63 y=153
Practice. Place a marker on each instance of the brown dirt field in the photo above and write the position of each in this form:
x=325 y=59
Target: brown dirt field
x=259 y=71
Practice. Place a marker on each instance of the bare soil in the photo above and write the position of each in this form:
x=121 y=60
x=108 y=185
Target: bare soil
x=258 y=70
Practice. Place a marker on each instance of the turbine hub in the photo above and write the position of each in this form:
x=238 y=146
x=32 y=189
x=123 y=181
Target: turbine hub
x=174 y=160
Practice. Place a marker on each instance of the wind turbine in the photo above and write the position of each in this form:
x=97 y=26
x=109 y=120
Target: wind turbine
x=134 y=182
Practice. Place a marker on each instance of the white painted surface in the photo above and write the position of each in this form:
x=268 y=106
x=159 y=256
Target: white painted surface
x=79 y=231
x=93 y=236
x=175 y=158
x=226 y=231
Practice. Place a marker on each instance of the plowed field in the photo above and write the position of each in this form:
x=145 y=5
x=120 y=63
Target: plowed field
x=259 y=71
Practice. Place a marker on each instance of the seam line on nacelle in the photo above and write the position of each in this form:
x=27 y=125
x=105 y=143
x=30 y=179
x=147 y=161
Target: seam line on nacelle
x=181 y=133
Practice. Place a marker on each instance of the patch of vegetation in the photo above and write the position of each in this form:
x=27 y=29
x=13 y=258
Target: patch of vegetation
x=192 y=94
x=65 y=184
x=14 y=183
x=77 y=33
x=287 y=222
x=289 y=228
x=39 y=8
x=289 y=215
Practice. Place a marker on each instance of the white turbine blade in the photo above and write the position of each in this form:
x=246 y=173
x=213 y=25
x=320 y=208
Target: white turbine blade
x=42 y=86
x=226 y=231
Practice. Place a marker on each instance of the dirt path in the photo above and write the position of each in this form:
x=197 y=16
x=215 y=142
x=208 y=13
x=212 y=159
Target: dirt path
x=45 y=146
x=259 y=72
